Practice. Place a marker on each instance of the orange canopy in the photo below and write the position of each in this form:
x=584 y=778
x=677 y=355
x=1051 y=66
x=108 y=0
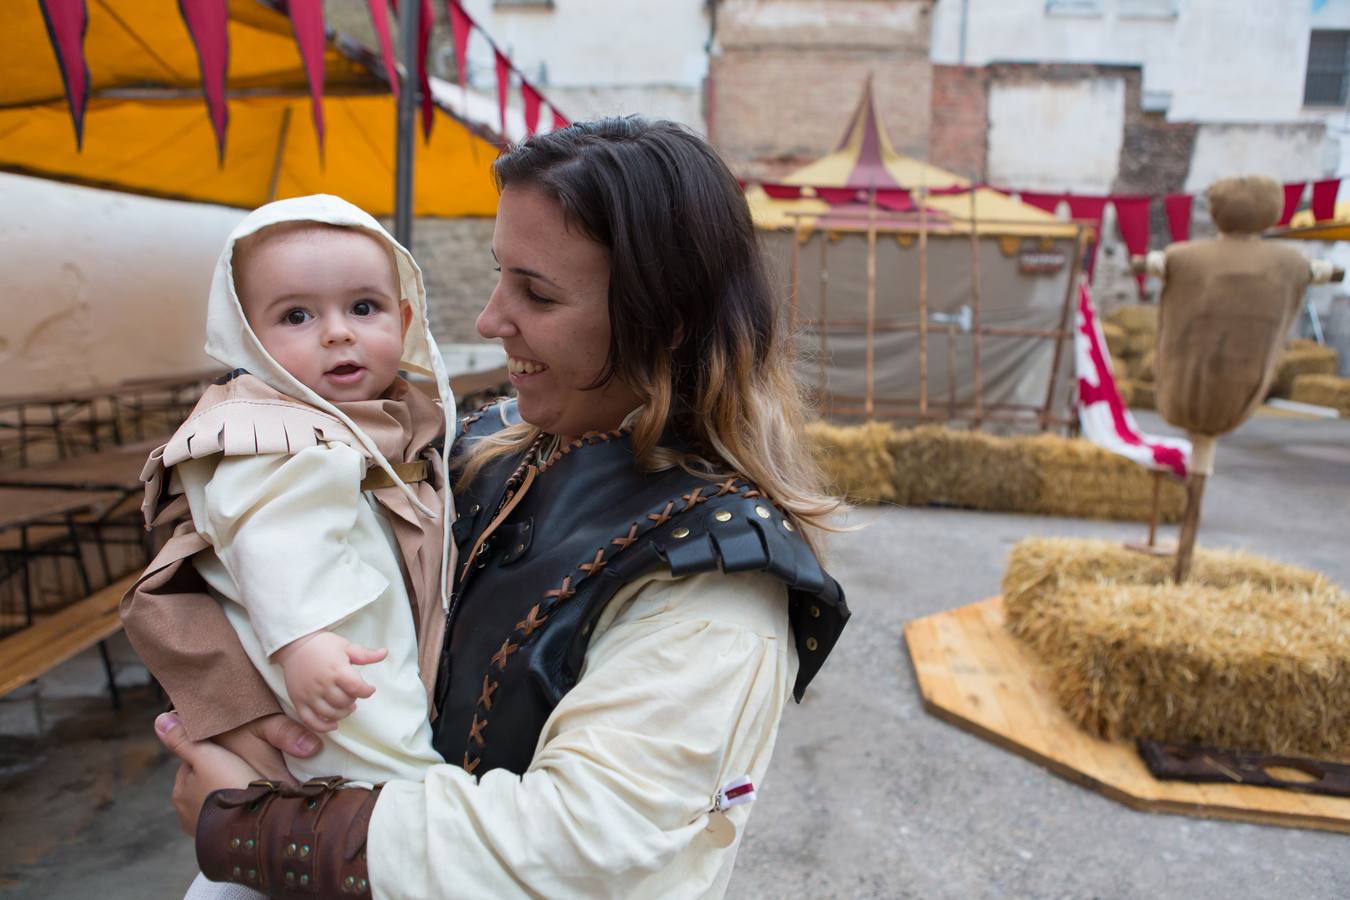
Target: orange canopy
x=147 y=129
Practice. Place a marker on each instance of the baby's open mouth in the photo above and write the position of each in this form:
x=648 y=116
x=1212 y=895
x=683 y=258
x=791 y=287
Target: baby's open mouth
x=344 y=373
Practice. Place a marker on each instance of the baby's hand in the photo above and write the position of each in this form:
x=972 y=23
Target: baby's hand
x=321 y=677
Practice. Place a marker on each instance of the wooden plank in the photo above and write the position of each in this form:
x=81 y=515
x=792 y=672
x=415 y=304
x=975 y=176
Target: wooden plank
x=974 y=674
x=49 y=642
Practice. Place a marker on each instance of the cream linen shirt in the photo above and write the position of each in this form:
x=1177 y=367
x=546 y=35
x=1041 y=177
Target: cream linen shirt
x=297 y=548
x=682 y=690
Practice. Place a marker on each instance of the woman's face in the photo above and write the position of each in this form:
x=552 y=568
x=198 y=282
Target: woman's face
x=550 y=310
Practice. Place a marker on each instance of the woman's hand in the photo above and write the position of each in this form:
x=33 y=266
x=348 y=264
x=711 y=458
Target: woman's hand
x=208 y=767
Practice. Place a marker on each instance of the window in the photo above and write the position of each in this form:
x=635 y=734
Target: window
x=1148 y=9
x=1327 y=65
x=1073 y=7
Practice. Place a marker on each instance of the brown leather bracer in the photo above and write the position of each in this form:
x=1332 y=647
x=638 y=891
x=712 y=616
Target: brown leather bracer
x=287 y=841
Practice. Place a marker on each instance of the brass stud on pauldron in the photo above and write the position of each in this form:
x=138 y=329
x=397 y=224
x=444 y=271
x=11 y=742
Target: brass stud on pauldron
x=290 y=849
x=234 y=843
x=811 y=643
x=788 y=526
x=762 y=512
x=680 y=533
x=722 y=515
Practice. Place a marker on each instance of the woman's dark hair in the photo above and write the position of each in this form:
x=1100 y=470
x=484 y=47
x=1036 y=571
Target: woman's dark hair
x=695 y=328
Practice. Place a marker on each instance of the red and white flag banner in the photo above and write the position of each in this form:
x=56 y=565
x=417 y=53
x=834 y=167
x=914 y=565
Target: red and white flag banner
x=1324 y=199
x=1293 y=193
x=503 y=87
x=1104 y=417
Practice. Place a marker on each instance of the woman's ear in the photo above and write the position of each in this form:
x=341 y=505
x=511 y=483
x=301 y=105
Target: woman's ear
x=405 y=311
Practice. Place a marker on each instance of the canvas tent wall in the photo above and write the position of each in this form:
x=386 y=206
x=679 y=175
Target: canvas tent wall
x=1024 y=260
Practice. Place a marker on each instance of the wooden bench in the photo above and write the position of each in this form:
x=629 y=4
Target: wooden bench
x=52 y=640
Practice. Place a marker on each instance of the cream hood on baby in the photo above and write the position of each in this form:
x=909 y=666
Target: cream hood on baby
x=231 y=341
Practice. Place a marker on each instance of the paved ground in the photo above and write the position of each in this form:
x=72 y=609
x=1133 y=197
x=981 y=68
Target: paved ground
x=868 y=796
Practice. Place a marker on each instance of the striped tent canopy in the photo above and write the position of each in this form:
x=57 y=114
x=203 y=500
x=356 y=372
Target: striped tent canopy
x=136 y=78
x=864 y=162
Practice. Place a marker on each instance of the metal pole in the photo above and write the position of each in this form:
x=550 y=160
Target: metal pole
x=408 y=25
x=871 y=299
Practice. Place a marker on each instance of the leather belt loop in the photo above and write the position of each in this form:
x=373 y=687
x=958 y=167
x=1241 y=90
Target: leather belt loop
x=410 y=472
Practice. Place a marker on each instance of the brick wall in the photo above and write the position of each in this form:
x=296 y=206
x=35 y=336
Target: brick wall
x=789 y=72
x=456 y=260
x=959 y=122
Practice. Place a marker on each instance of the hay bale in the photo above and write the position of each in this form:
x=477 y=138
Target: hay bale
x=1323 y=390
x=1302 y=344
x=1135 y=318
x=1125 y=387
x=1250 y=653
x=1144 y=395
x=1140 y=343
x=1080 y=479
x=856 y=461
x=1146 y=370
x=1116 y=338
x=946 y=467
x=1315 y=360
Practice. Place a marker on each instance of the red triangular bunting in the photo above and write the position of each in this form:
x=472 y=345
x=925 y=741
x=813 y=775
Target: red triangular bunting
x=1047 y=202
x=307 y=23
x=1178 y=209
x=503 y=85
x=1132 y=218
x=530 y=99
x=208 y=23
x=459 y=27
x=1324 y=199
x=379 y=17
x=896 y=200
x=1292 y=194
x=426 y=21
x=67 y=21
x=559 y=120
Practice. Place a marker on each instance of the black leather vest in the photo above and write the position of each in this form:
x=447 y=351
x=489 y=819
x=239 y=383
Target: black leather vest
x=571 y=532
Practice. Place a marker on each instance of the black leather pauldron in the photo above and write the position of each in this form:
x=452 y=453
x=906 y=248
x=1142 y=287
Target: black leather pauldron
x=589 y=524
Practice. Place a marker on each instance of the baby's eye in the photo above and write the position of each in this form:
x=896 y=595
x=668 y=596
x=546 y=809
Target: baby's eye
x=295 y=317
x=364 y=308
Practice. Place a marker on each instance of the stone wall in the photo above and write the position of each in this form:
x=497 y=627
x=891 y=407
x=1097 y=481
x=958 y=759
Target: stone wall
x=959 y=120
x=456 y=260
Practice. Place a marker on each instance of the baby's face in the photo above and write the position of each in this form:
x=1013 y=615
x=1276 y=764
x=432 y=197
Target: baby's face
x=325 y=304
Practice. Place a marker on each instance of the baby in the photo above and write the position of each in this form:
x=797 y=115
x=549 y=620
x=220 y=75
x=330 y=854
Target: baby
x=315 y=479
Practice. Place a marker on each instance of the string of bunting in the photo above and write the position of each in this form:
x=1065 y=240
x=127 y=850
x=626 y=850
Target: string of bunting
x=207 y=24
x=1132 y=210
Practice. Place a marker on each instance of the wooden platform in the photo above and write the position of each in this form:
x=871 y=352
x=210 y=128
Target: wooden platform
x=976 y=675
x=52 y=640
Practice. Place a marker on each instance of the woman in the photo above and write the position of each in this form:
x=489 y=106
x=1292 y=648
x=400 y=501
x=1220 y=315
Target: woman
x=637 y=592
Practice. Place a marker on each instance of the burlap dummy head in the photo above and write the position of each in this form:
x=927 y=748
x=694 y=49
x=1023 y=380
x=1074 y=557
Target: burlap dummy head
x=1227 y=305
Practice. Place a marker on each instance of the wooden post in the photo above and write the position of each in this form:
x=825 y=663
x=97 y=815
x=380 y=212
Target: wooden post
x=975 y=309
x=792 y=295
x=1190 y=524
x=823 y=317
x=1070 y=292
x=923 y=292
x=1157 y=509
x=951 y=372
x=871 y=301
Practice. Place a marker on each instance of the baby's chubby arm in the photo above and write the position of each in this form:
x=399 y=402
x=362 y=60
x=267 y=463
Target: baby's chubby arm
x=321 y=677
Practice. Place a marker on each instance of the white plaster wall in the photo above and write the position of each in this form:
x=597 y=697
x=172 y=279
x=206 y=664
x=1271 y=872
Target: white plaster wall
x=100 y=286
x=1221 y=60
x=615 y=48
x=1285 y=154
x=1084 y=121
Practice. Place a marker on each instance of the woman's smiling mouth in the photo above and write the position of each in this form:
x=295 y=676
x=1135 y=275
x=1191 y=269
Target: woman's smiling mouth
x=518 y=366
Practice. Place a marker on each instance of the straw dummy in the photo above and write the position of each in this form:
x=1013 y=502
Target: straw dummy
x=1226 y=307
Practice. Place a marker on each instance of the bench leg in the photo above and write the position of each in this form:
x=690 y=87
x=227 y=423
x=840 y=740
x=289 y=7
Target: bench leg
x=108 y=668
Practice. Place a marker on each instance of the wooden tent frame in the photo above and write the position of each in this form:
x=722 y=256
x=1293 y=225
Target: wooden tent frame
x=974 y=411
